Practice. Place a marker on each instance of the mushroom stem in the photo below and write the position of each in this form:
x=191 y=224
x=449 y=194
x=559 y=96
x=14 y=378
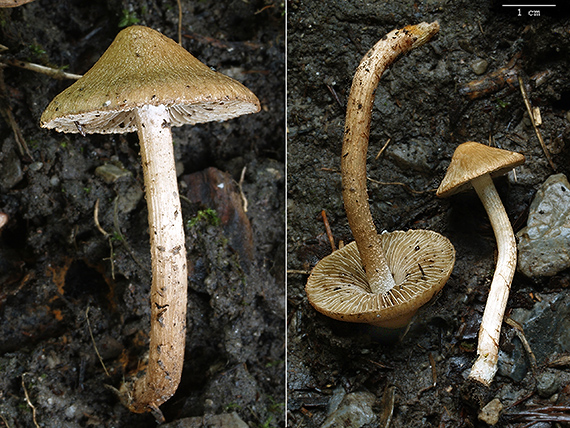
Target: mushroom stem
x=485 y=366
x=168 y=256
x=355 y=147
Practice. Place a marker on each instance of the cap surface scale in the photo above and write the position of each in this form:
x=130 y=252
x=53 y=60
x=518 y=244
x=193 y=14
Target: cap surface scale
x=420 y=261
x=140 y=67
x=471 y=160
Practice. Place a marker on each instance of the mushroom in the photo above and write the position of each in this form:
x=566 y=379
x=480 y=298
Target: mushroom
x=355 y=146
x=378 y=279
x=475 y=164
x=146 y=82
x=420 y=260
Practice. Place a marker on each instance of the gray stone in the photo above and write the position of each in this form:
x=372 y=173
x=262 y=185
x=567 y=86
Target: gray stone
x=354 y=411
x=547 y=384
x=411 y=155
x=544 y=244
x=479 y=66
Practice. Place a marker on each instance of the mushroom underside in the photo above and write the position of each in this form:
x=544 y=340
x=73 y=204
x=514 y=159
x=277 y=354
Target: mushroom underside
x=420 y=261
x=123 y=121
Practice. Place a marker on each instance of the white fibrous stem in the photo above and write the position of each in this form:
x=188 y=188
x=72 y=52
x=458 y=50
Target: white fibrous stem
x=355 y=147
x=168 y=293
x=485 y=366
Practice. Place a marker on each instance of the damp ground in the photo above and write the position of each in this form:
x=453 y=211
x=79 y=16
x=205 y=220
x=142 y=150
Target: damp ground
x=460 y=87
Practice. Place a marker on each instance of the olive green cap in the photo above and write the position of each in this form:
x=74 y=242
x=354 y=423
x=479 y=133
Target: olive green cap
x=143 y=67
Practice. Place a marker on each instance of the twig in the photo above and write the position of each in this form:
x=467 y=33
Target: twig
x=520 y=334
x=382 y=149
x=29 y=402
x=243 y=198
x=93 y=340
x=4 y=420
x=7 y=113
x=382 y=366
x=263 y=8
x=543 y=414
x=96 y=218
x=328 y=229
x=106 y=235
x=333 y=92
x=56 y=73
x=387 y=183
x=536 y=130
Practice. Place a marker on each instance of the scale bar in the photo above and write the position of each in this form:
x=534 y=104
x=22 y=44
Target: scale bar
x=529 y=5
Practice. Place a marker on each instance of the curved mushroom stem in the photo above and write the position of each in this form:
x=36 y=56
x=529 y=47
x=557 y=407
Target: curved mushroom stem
x=485 y=366
x=168 y=294
x=355 y=146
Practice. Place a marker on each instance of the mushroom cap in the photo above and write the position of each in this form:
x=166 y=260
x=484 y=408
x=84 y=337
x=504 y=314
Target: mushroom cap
x=471 y=160
x=142 y=67
x=420 y=261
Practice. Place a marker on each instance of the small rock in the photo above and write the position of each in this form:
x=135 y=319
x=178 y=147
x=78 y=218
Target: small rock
x=491 y=412
x=36 y=166
x=544 y=244
x=412 y=155
x=547 y=384
x=479 y=66
x=354 y=411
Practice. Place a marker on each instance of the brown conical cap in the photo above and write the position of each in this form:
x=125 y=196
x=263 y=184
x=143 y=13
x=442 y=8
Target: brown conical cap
x=141 y=67
x=420 y=260
x=471 y=160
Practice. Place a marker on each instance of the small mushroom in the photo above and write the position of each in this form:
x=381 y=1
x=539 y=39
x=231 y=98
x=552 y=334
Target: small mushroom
x=420 y=260
x=475 y=164
x=355 y=146
x=146 y=82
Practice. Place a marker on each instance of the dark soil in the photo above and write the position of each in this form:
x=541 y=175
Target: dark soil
x=59 y=274
x=422 y=107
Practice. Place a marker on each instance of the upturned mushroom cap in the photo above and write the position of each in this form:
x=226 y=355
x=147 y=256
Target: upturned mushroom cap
x=420 y=260
x=142 y=67
x=471 y=160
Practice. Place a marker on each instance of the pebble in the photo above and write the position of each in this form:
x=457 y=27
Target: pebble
x=547 y=384
x=36 y=166
x=479 y=66
x=544 y=244
x=491 y=412
x=354 y=411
